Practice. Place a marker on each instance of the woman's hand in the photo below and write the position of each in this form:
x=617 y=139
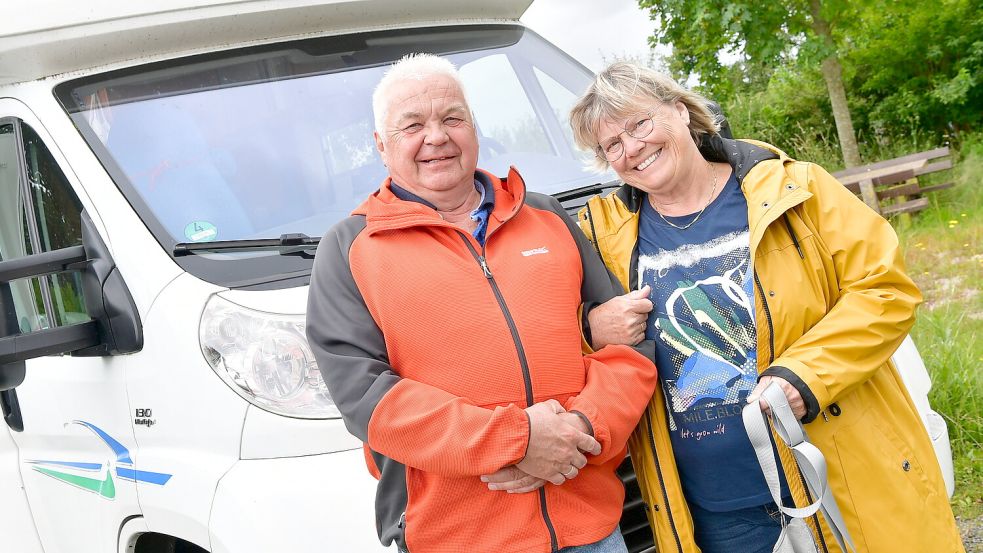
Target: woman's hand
x=793 y=396
x=620 y=320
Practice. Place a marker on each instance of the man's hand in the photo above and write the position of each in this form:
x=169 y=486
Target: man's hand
x=795 y=400
x=513 y=480
x=555 y=446
x=620 y=320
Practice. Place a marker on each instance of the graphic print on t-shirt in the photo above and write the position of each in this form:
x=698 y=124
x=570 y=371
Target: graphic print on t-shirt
x=703 y=327
x=706 y=326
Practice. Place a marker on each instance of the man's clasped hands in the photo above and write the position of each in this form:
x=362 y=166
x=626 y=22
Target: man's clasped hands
x=558 y=442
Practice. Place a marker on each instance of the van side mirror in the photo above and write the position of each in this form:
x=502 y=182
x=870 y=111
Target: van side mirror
x=114 y=328
x=107 y=299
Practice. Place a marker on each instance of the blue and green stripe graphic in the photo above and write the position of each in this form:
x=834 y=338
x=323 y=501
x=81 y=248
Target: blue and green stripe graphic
x=103 y=486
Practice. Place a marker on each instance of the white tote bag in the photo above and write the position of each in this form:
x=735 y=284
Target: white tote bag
x=796 y=537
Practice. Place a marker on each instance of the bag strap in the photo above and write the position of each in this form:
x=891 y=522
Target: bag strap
x=810 y=460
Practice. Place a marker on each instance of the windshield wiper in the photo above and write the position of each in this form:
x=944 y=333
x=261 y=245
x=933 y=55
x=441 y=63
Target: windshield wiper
x=287 y=244
x=588 y=190
x=573 y=200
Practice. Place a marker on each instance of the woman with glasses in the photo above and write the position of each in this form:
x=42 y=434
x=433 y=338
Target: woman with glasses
x=746 y=267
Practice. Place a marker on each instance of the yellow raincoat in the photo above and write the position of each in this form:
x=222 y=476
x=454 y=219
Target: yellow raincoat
x=832 y=304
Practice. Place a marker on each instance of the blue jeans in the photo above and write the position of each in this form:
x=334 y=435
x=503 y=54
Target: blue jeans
x=614 y=543
x=751 y=530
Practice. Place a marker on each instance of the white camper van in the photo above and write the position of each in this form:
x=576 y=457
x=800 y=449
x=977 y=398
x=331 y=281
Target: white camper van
x=165 y=170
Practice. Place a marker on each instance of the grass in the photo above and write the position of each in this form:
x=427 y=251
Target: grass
x=944 y=255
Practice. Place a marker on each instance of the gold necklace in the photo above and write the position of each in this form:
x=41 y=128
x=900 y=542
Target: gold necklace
x=705 y=206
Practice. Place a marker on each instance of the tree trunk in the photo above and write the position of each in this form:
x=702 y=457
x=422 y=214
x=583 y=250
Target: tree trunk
x=833 y=75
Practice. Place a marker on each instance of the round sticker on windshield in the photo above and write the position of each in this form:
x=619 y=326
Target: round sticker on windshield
x=200 y=231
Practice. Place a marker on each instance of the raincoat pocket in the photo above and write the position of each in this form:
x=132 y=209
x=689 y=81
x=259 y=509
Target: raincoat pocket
x=865 y=449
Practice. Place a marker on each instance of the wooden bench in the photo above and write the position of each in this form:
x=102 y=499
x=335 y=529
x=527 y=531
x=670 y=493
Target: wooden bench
x=896 y=180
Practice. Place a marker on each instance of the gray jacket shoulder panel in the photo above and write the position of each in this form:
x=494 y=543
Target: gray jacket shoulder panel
x=348 y=346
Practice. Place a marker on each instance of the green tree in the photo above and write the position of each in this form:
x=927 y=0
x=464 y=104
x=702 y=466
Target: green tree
x=766 y=35
x=919 y=66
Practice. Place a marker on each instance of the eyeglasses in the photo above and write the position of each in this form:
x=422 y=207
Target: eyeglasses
x=614 y=148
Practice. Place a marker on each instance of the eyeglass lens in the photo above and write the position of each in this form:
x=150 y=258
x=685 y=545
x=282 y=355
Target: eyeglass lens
x=635 y=128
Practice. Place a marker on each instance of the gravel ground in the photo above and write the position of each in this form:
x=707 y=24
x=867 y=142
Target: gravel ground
x=972 y=534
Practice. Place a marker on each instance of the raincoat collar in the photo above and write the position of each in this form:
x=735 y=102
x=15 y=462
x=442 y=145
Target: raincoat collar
x=742 y=156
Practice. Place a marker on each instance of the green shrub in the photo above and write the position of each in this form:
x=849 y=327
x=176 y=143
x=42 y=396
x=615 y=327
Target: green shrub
x=943 y=255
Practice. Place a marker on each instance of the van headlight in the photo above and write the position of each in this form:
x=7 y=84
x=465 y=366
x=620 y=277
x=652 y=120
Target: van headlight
x=265 y=358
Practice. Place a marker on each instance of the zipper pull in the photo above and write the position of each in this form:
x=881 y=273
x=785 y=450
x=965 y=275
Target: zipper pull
x=484 y=266
x=825 y=418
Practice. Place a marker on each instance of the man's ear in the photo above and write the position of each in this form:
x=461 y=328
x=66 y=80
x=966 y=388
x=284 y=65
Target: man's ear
x=381 y=146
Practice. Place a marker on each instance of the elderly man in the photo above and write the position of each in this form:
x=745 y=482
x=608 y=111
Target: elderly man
x=445 y=318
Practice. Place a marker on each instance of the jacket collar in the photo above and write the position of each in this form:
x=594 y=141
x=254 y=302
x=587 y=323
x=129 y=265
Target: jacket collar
x=383 y=210
x=742 y=156
x=768 y=187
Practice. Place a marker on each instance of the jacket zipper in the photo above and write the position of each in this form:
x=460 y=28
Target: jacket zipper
x=523 y=362
x=771 y=359
x=662 y=483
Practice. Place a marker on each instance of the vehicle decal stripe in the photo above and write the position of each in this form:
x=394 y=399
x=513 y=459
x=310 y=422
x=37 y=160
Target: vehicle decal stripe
x=122 y=454
x=143 y=476
x=104 y=487
x=82 y=466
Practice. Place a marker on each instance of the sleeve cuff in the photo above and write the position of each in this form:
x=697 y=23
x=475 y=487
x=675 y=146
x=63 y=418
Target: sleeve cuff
x=583 y=417
x=585 y=323
x=596 y=422
x=812 y=404
x=528 y=434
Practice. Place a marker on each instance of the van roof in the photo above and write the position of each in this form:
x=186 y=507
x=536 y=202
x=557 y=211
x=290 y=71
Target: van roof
x=41 y=38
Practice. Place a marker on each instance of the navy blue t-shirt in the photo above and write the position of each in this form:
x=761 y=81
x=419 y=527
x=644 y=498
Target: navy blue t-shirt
x=703 y=327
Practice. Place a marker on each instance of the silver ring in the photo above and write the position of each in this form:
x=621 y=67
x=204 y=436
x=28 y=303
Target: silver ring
x=569 y=472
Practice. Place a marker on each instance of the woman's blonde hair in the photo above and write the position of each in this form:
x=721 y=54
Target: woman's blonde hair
x=621 y=91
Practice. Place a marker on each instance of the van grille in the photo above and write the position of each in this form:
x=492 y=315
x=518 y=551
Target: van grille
x=634 y=522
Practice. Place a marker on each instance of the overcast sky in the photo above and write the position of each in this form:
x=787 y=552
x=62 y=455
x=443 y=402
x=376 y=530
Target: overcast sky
x=592 y=30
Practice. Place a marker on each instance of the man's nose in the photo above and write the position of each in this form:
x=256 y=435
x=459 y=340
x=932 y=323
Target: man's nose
x=436 y=134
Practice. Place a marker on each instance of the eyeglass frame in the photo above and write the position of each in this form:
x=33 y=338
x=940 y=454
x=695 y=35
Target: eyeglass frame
x=599 y=151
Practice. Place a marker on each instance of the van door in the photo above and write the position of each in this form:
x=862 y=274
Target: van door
x=70 y=416
x=17 y=531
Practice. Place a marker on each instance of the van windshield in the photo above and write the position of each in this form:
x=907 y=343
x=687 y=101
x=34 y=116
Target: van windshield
x=265 y=141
